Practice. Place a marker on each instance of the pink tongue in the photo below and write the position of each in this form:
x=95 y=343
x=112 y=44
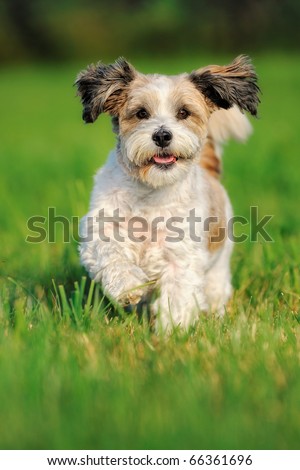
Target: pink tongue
x=164 y=160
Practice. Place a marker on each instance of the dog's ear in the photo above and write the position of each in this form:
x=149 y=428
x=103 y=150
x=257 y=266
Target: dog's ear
x=231 y=84
x=103 y=88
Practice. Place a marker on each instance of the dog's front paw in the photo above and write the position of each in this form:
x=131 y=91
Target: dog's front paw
x=129 y=287
x=134 y=287
x=177 y=310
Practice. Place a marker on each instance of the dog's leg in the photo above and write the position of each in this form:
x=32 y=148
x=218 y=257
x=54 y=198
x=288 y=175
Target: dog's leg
x=181 y=298
x=111 y=263
x=218 y=282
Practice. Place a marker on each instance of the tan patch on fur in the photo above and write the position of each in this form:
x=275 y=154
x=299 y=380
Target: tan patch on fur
x=137 y=96
x=217 y=227
x=184 y=96
x=127 y=125
x=241 y=67
x=143 y=171
x=209 y=160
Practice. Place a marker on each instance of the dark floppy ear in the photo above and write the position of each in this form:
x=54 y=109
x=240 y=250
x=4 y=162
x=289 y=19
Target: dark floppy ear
x=103 y=88
x=231 y=84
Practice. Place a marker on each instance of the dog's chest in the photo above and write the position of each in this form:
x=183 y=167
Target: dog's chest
x=166 y=235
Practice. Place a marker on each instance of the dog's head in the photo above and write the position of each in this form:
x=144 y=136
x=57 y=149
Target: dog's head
x=161 y=121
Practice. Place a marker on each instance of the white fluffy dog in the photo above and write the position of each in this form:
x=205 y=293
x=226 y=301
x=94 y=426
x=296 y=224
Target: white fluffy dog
x=158 y=219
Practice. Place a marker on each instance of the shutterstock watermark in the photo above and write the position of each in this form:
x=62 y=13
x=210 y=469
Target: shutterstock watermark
x=137 y=229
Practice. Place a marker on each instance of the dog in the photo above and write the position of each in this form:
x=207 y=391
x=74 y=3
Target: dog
x=158 y=226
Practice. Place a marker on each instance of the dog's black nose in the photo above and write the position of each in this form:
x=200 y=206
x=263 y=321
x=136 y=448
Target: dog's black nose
x=162 y=138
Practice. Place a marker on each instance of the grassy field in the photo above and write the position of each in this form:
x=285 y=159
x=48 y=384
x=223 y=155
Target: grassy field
x=73 y=374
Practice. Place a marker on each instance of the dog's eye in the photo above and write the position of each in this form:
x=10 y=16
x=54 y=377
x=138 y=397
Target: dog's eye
x=183 y=113
x=142 y=114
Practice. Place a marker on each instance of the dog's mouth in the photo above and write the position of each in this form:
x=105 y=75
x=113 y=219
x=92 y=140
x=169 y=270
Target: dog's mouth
x=164 y=161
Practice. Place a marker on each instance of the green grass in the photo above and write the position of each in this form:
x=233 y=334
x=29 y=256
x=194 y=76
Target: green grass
x=76 y=374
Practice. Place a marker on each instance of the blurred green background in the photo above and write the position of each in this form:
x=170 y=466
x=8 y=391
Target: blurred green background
x=71 y=377
x=72 y=29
